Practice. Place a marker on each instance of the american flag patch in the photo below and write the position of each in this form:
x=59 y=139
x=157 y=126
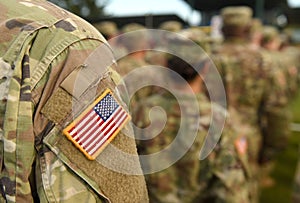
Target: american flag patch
x=96 y=127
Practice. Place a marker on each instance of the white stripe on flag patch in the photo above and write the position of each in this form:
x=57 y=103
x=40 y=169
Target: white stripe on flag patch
x=115 y=125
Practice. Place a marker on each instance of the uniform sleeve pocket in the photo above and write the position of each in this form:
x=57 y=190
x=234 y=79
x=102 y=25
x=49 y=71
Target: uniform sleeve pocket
x=61 y=179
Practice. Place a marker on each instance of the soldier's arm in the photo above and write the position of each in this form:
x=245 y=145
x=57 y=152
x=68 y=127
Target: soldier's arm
x=229 y=181
x=225 y=173
x=274 y=115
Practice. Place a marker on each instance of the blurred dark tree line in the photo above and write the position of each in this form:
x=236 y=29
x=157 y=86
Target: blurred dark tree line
x=91 y=10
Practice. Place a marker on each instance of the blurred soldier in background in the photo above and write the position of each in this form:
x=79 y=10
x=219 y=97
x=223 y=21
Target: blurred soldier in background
x=271 y=43
x=45 y=51
x=136 y=43
x=256 y=33
x=221 y=177
x=154 y=57
x=157 y=57
x=270 y=38
x=172 y=26
x=198 y=36
x=108 y=29
x=178 y=183
x=111 y=32
x=291 y=56
x=250 y=87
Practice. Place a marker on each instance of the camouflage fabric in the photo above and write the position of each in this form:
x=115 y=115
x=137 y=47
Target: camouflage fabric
x=230 y=69
x=156 y=58
x=222 y=177
x=134 y=43
x=128 y=68
x=132 y=39
x=226 y=175
x=125 y=66
x=281 y=95
x=41 y=48
x=198 y=36
x=279 y=72
x=253 y=90
x=236 y=15
x=256 y=33
x=292 y=70
x=129 y=63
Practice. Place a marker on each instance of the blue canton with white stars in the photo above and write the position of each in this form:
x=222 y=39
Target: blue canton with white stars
x=106 y=107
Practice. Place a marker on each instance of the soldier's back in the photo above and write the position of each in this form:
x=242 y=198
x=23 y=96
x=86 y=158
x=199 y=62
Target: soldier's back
x=243 y=75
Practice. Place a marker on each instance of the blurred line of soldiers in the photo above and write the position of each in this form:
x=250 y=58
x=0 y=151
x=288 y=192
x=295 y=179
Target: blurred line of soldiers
x=259 y=68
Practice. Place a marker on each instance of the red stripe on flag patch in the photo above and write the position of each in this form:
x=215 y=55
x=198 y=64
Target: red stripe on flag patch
x=96 y=127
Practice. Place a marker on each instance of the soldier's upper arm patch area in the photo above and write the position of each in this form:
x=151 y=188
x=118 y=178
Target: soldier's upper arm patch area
x=58 y=106
x=97 y=126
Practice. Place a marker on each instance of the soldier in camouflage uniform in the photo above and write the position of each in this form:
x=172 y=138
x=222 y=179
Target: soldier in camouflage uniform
x=281 y=70
x=223 y=175
x=256 y=33
x=136 y=40
x=291 y=58
x=171 y=25
x=251 y=88
x=108 y=29
x=43 y=48
x=281 y=67
x=158 y=58
x=135 y=43
x=198 y=36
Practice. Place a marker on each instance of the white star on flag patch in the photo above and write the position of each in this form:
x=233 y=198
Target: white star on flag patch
x=97 y=126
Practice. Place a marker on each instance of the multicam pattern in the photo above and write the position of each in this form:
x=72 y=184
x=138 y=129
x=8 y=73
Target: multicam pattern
x=258 y=94
x=40 y=45
x=221 y=177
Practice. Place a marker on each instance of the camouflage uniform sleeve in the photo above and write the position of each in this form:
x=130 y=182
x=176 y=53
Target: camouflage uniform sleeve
x=47 y=51
x=65 y=163
x=224 y=174
x=76 y=187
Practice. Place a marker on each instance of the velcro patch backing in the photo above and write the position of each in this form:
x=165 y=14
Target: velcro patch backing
x=58 y=106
